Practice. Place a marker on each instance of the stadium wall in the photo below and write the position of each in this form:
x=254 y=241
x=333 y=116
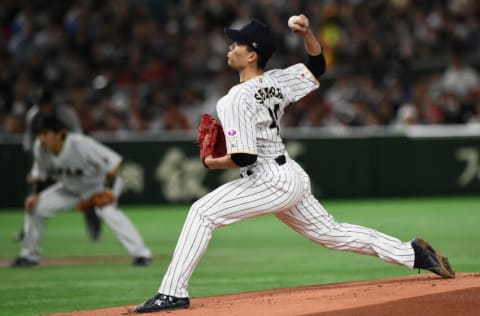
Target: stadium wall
x=166 y=168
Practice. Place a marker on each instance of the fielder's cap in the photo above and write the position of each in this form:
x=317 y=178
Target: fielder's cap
x=255 y=34
x=49 y=122
x=43 y=94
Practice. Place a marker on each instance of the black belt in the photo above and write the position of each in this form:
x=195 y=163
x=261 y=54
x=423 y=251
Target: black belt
x=280 y=160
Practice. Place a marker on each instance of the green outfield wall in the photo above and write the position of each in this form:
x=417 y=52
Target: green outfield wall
x=340 y=167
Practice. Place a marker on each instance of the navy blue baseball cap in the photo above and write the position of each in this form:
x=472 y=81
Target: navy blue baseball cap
x=49 y=122
x=44 y=95
x=257 y=35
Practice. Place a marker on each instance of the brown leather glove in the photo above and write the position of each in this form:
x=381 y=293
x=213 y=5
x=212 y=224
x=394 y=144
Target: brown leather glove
x=98 y=199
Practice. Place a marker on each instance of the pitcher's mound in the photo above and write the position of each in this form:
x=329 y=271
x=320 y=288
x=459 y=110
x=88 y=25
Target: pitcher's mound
x=415 y=295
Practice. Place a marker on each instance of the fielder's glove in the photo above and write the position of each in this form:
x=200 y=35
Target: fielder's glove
x=97 y=200
x=210 y=138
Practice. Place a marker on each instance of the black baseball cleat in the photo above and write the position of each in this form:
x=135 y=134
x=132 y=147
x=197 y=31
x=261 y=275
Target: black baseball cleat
x=141 y=261
x=162 y=302
x=22 y=262
x=427 y=258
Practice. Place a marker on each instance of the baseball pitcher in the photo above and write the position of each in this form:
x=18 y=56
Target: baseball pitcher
x=271 y=182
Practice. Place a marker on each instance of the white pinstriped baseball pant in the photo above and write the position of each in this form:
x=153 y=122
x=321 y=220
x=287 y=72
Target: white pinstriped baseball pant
x=55 y=199
x=272 y=189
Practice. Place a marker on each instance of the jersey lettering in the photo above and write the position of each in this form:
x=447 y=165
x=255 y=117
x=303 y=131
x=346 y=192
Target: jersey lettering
x=267 y=93
x=70 y=172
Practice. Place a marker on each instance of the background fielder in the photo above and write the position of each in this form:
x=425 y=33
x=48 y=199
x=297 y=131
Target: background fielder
x=46 y=104
x=271 y=182
x=82 y=168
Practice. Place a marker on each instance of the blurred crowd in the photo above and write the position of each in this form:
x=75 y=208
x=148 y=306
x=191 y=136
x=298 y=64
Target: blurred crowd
x=154 y=65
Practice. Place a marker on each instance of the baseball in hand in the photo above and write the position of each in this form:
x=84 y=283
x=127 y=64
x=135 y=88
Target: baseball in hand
x=294 y=19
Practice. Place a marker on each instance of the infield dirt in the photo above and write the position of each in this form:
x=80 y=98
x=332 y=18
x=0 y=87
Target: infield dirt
x=424 y=294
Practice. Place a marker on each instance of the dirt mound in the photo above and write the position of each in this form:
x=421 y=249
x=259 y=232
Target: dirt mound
x=415 y=295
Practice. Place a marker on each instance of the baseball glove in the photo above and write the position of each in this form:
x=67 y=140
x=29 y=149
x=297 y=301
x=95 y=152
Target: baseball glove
x=97 y=199
x=210 y=138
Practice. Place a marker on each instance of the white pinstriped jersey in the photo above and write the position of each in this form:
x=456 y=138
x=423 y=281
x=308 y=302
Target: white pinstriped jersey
x=81 y=166
x=251 y=111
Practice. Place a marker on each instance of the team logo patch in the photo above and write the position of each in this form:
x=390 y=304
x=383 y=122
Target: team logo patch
x=231 y=132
